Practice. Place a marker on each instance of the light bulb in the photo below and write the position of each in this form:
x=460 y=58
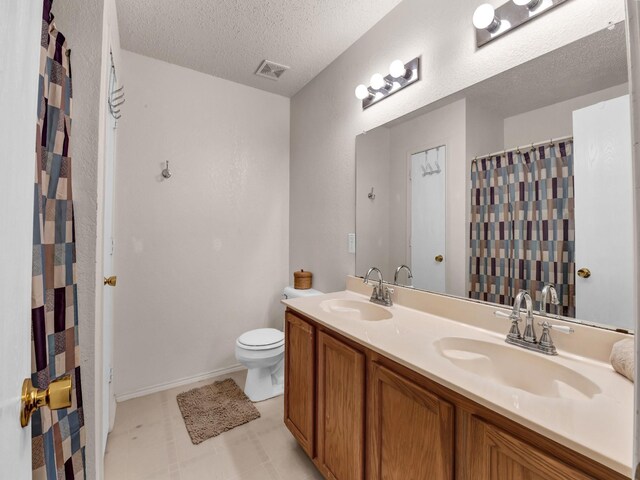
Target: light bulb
x=377 y=81
x=484 y=18
x=396 y=69
x=362 y=92
x=528 y=3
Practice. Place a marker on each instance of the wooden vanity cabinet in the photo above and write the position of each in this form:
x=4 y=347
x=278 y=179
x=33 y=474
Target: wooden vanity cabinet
x=324 y=398
x=299 y=386
x=340 y=403
x=410 y=430
x=359 y=415
x=497 y=455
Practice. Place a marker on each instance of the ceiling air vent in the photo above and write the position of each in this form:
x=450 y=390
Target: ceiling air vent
x=271 y=70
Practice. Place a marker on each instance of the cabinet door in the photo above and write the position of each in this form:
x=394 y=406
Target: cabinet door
x=299 y=402
x=340 y=410
x=496 y=455
x=410 y=430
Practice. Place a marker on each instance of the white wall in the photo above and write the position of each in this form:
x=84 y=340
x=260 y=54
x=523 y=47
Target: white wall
x=203 y=256
x=20 y=34
x=372 y=215
x=88 y=25
x=553 y=121
x=485 y=134
x=326 y=117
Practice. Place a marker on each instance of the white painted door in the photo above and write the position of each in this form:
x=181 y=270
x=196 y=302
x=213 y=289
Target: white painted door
x=108 y=398
x=633 y=47
x=604 y=213
x=20 y=35
x=427 y=243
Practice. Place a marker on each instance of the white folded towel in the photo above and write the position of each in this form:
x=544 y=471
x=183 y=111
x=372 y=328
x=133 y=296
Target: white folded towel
x=623 y=358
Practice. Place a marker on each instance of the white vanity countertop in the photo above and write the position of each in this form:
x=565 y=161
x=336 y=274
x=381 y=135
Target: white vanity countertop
x=599 y=427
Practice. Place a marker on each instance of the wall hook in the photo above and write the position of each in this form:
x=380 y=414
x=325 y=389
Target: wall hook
x=371 y=195
x=166 y=173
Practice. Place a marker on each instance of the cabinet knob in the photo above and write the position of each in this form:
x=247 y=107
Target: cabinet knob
x=439 y=258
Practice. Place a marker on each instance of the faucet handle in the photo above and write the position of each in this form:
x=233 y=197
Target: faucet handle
x=510 y=316
x=558 y=328
x=514 y=331
x=546 y=344
x=387 y=297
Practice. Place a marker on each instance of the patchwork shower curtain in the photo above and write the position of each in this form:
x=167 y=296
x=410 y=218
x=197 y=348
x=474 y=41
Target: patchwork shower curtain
x=522 y=233
x=58 y=437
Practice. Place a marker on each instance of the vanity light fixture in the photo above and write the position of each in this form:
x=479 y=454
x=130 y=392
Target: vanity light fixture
x=378 y=82
x=400 y=75
x=492 y=23
x=362 y=92
x=530 y=4
x=398 y=70
x=484 y=18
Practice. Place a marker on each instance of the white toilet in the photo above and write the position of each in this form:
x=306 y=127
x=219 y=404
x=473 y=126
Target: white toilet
x=262 y=352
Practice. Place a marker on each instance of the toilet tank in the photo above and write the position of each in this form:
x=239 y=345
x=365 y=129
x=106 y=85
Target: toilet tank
x=290 y=292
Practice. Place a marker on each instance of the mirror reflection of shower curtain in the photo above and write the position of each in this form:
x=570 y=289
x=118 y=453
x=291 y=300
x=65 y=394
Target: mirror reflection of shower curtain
x=523 y=226
x=428 y=219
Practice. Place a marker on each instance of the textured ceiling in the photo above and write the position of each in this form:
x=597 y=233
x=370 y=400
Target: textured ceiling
x=230 y=38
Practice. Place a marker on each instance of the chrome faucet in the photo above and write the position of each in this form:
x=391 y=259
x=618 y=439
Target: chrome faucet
x=549 y=295
x=529 y=334
x=528 y=338
x=409 y=274
x=380 y=294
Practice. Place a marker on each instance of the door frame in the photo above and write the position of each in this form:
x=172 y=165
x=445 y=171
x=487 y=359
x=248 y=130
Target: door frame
x=632 y=25
x=108 y=409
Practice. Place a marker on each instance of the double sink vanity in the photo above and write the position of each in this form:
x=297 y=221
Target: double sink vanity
x=427 y=388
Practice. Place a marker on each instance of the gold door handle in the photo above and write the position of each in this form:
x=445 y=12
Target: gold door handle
x=439 y=258
x=111 y=281
x=584 y=273
x=57 y=396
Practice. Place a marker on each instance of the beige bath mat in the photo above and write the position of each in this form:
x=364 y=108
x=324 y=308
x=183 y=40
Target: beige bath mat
x=210 y=410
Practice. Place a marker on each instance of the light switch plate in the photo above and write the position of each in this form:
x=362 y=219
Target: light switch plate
x=352 y=243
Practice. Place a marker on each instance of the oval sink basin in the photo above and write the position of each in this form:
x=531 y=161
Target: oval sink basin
x=511 y=367
x=355 y=310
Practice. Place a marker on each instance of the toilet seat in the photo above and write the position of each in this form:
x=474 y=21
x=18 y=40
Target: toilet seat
x=261 y=339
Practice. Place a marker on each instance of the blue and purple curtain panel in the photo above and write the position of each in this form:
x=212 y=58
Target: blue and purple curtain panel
x=522 y=229
x=58 y=437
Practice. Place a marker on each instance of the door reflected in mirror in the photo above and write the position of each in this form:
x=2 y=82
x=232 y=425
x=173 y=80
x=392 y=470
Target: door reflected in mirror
x=427 y=214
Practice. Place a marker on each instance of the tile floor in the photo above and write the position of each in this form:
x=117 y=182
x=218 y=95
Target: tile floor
x=149 y=441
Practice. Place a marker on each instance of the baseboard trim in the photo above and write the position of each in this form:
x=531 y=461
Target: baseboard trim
x=180 y=382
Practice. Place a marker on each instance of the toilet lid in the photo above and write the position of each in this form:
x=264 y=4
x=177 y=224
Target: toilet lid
x=261 y=337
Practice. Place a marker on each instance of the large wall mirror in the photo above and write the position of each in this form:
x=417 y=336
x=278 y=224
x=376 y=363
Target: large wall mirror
x=518 y=182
